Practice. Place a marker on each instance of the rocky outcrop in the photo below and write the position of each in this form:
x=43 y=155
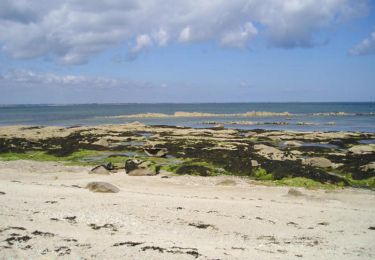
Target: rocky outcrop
x=272 y=153
x=104 y=187
x=293 y=143
x=362 y=149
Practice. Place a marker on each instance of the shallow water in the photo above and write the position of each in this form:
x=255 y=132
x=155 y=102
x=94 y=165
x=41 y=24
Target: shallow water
x=358 y=117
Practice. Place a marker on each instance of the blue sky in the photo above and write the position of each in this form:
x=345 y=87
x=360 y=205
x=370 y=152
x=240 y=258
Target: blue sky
x=192 y=51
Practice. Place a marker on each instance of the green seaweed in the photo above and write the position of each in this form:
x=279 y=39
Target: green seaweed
x=262 y=174
x=306 y=183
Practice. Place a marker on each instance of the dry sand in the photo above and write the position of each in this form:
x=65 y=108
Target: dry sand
x=44 y=213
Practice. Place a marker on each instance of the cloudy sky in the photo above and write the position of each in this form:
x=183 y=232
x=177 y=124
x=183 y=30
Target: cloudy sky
x=121 y=51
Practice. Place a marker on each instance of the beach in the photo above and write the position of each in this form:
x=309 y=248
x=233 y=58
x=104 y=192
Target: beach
x=169 y=192
x=47 y=213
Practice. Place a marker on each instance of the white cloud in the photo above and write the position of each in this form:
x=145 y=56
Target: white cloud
x=185 y=34
x=240 y=37
x=366 y=47
x=161 y=37
x=21 y=78
x=71 y=31
x=28 y=77
x=143 y=41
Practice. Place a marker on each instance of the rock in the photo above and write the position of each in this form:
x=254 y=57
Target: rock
x=272 y=153
x=293 y=143
x=134 y=167
x=296 y=152
x=132 y=164
x=254 y=163
x=318 y=162
x=102 y=142
x=109 y=166
x=101 y=169
x=104 y=187
x=362 y=149
x=194 y=170
x=142 y=172
x=368 y=167
x=156 y=152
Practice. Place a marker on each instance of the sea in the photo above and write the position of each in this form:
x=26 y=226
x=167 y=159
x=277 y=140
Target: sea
x=348 y=116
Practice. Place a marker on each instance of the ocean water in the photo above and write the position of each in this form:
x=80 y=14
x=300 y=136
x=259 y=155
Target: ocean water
x=355 y=116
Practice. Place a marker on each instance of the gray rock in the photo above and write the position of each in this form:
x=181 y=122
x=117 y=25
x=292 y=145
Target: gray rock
x=318 y=162
x=142 y=172
x=104 y=187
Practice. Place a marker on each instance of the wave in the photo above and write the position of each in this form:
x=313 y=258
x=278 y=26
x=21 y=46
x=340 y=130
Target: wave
x=343 y=114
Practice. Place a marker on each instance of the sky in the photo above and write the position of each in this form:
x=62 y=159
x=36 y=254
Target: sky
x=153 y=51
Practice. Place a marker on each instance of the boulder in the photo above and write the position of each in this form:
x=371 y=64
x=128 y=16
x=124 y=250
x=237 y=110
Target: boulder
x=104 y=187
x=272 y=153
x=134 y=167
x=318 y=162
x=142 y=172
x=363 y=149
x=156 y=152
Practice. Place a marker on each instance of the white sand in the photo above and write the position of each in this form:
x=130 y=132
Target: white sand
x=248 y=221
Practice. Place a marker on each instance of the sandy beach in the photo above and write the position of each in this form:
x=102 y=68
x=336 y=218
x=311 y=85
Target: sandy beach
x=46 y=212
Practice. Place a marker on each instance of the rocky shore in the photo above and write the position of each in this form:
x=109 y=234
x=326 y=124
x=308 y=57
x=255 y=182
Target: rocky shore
x=339 y=158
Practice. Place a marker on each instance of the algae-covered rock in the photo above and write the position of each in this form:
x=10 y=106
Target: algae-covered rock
x=194 y=170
